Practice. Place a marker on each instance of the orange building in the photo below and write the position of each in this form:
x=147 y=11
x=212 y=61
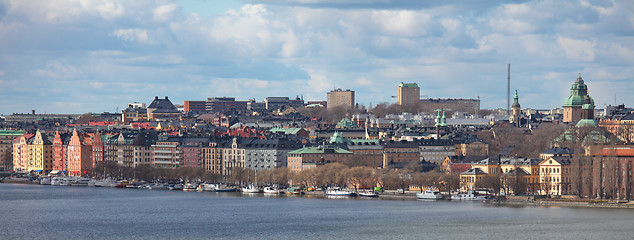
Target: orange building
x=309 y=157
x=79 y=154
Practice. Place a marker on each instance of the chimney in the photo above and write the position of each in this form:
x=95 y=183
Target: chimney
x=155 y=97
x=165 y=97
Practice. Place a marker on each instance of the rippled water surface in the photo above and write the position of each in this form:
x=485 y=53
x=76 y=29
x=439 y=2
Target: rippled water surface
x=54 y=212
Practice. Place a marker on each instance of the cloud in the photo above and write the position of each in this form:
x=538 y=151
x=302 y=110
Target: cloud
x=133 y=35
x=164 y=13
x=577 y=50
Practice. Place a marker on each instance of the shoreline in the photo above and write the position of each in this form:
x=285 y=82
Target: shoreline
x=389 y=195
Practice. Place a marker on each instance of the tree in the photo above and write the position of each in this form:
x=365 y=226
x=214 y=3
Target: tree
x=359 y=176
x=491 y=182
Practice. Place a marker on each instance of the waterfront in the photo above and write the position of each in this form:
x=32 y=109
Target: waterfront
x=50 y=212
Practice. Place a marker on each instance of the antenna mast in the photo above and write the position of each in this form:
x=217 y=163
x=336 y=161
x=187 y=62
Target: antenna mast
x=508 y=91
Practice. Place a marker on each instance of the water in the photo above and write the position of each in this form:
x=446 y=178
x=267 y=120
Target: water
x=53 y=212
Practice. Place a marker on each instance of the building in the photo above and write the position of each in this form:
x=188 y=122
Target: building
x=273 y=103
x=310 y=157
x=612 y=172
x=267 y=154
x=21 y=152
x=59 y=148
x=162 y=109
x=79 y=154
x=397 y=154
x=338 y=97
x=134 y=113
x=516 y=116
x=233 y=155
x=192 y=151
x=167 y=153
x=436 y=151
x=469 y=179
x=212 y=158
x=40 y=157
x=408 y=94
x=555 y=175
x=471 y=106
x=195 y=106
x=573 y=106
x=224 y=104
x=6 y=148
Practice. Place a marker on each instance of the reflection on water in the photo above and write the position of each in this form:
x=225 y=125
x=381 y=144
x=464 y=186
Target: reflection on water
x=34 y=211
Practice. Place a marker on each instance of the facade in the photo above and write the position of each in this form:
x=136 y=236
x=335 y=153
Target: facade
x=195 y=106
x=272 y=103
x=59 y=147
x=555 y=175
x=134 y=113
x=40 y=154
x=469 y=179
x=167 y=153
x=6 y=148
x=267 y=154
x=397 y=154
x=472 y=147
x=408 y=94
x=233 y=155
x=79 y=155
x=97 y=150
x=612 y=168
x=573 y=106
x=436 y=151
x=471 y=106
x=338 y=97
x=367 y=152
x=211 y=156
x=192 y=151
x=224 y=104
x=310 y=157
x=21 y=152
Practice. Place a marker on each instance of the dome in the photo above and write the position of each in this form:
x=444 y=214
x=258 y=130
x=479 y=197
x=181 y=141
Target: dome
x=586 y=123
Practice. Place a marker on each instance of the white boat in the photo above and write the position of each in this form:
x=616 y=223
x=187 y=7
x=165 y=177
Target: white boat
x=339 y=192
x=57 y=181
x=190 y=187
x=80 y=181
x=251 y=189
x=271 y=190
x=208 y=187
x=429 y=194
x=468 y=196
x=368 y=194
x=158 y=186
x=106 y=183
x=177 y=186
x=45 y=181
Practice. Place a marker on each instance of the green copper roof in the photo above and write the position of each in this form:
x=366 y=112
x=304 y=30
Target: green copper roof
x=336 y=138
x=11 y=132
x=345 y=123
x=289 y=131
x=516 y=103
x=578 y=94
x=586 y=123
x=412 y=85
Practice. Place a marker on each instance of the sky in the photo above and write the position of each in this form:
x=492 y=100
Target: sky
x=78 y=56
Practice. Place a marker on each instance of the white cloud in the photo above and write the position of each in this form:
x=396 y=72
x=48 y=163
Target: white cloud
x=577 y=50
x=133 y=35
x=164 y=13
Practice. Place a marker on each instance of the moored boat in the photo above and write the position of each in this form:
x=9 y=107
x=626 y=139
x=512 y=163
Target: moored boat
x=368 y=194
x=339 y=192
x=271 y=190
x=429 y=194
x=251 y=188
x=468 y=196
x=222 y=188
x=190 y=187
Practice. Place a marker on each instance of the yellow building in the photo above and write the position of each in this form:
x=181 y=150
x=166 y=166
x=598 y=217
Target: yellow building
x=40 y=154
x=469 y=179
x=340 y=97
x=489 y=166
x=554 y=175
x=408 y=94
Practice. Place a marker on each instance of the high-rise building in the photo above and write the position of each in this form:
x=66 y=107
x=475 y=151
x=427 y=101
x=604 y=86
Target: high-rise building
x=408 y=94
x=579 y=97
x=430 y=105
x=6 y=148
x=195 y=106
x=338 y=97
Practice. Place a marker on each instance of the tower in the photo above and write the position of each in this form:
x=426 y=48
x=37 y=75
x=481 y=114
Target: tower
x=573 y=105
x=408 y=94
x=517 y=110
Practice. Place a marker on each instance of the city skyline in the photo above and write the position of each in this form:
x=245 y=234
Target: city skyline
x=95 y=56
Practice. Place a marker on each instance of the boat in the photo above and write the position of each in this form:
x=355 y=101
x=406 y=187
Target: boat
x=251 y=188
x=177 y=186
x=105 y=183
x=57 y=181
x=339 y=192
x=80 y=181
x=159 y=186
x=222 y=188
x=468 y=196
x=294 y=191
x=368 y=194
x=123 y=184
x=190 y=187
x=208 y=187
x=271 y=190
x=429 y=194
x=45 y=181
